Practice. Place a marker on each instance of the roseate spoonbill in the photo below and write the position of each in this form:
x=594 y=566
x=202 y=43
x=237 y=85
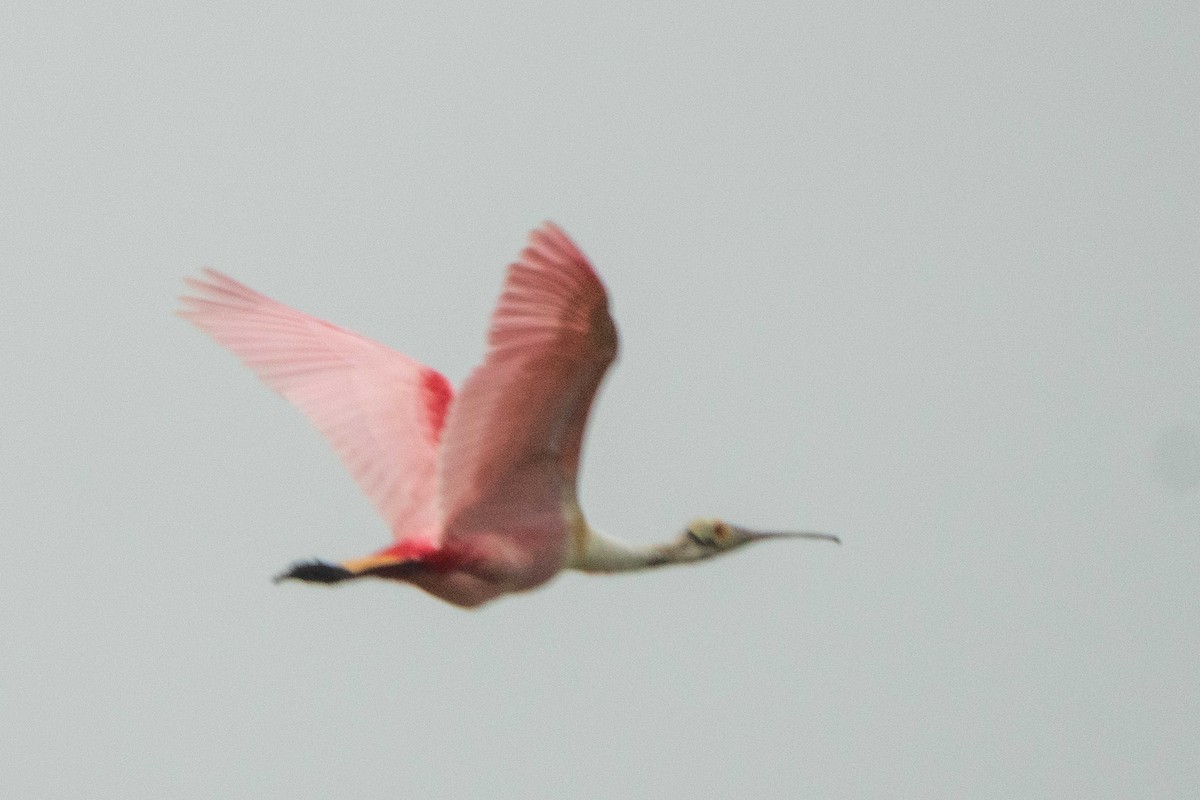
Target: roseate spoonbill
x=478 y=488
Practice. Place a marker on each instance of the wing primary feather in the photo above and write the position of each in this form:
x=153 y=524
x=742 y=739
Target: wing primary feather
x=516 y=429
x=382 y=412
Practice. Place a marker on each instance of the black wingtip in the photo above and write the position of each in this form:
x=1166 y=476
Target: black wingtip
x=314 y=572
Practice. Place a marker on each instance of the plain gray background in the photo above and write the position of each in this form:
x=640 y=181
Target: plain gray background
x=922 y=274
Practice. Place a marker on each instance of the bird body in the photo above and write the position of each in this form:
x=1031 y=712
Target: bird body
x=478 y=488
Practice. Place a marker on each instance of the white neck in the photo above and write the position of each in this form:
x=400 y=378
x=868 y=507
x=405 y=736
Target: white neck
x=600 y=553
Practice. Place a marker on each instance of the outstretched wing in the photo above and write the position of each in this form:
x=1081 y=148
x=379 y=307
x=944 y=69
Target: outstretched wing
x=513 y=438
x=382 y=412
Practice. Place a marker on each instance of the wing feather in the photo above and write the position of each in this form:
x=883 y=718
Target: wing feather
x=514 y=435
x=382 y=411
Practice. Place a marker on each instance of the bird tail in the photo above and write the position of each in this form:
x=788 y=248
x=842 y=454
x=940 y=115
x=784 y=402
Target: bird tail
x=381 y=565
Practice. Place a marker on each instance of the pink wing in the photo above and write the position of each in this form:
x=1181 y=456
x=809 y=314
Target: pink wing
x=382 y=412
x=514 y=436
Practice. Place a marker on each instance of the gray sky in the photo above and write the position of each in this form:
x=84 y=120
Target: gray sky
x=923 y=276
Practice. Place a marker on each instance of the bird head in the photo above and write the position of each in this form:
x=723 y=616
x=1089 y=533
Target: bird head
x=706 y=537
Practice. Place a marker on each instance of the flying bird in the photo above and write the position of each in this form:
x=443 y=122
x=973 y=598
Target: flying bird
x=478 y=488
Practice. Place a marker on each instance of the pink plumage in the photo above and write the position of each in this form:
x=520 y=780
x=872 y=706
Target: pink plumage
x=382 y=411
x=478 y=489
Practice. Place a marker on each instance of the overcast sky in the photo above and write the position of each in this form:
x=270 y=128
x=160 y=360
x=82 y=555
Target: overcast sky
x=921 y=274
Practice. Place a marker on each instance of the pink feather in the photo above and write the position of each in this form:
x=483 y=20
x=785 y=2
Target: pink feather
x=480 y=490
x=382 y=411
